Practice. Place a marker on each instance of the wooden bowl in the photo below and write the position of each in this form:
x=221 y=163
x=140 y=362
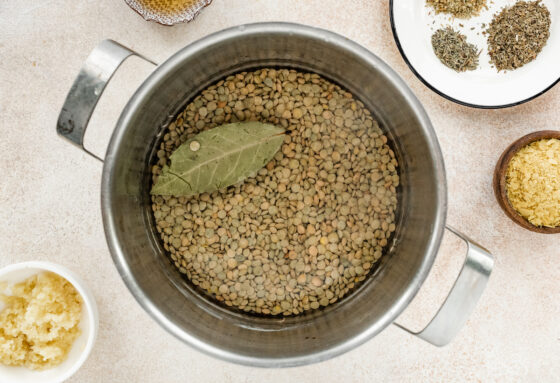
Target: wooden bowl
x=499 y=181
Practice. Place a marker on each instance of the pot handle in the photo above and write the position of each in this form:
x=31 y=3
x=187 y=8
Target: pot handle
x=88 y=87
x=462 y=298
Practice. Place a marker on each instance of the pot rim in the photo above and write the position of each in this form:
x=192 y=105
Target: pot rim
x=117 y=252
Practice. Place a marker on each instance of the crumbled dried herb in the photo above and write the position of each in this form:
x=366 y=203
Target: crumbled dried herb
x=462 y=9
x=453 y=50
x=517 y=34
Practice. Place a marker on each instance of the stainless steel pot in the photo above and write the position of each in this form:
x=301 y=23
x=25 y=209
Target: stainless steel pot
x=243 y=338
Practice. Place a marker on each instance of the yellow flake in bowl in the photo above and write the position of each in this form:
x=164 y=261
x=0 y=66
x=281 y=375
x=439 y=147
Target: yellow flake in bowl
x=533 y=182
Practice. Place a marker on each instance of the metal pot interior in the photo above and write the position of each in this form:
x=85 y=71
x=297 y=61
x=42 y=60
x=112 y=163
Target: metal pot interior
x=244 y=338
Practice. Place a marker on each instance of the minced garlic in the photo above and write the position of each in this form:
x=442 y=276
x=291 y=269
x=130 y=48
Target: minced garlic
x=40 y=322
x=533 y=182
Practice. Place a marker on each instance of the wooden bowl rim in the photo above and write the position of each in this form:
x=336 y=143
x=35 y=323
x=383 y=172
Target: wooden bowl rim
x=499 y=181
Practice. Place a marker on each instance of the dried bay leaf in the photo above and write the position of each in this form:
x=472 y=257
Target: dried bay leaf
x=218 y=158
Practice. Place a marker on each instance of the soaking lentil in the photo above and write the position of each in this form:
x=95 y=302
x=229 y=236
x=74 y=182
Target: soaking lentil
x=310 y=225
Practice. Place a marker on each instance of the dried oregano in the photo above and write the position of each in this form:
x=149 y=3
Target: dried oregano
x=517 y=34
x=463 y=9
x=453 y=51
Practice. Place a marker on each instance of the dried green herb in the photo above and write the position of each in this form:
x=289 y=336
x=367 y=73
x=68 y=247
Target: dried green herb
x=518 y=34
x=219 y=157
x=452 y=49
x=462 y=9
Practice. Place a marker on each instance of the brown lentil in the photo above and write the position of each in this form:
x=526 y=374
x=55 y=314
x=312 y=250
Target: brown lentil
x=310 y=225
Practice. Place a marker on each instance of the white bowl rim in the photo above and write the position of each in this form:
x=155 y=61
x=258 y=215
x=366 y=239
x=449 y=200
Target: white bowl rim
x=85 y=293
x=444 y=95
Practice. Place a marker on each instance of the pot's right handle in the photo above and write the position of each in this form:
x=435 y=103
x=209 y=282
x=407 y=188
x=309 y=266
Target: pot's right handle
x=82 y=98
x=463 y=296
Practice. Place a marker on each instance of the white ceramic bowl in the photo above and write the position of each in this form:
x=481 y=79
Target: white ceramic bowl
x=82 y=346
x=413 y=25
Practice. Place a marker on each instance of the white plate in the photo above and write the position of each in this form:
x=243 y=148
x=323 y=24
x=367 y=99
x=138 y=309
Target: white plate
x=82 y=346
x=413 y=25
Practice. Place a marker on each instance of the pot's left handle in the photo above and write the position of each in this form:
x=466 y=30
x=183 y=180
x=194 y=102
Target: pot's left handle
x=82 y=98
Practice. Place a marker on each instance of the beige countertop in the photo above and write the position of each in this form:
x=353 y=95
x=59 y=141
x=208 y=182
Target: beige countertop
x=49 y=201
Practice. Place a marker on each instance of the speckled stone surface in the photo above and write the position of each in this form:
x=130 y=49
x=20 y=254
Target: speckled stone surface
x=49 y=201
